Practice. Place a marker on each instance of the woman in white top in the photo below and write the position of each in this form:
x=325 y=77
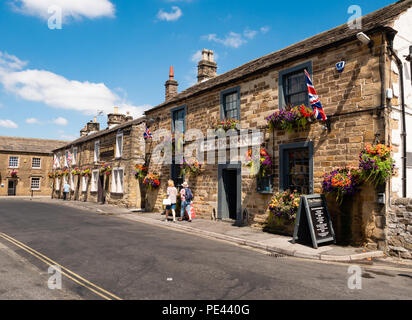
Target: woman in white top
x=171 y=195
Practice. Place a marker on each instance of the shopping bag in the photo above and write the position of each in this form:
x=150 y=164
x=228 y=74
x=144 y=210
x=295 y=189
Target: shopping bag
x=192 y=211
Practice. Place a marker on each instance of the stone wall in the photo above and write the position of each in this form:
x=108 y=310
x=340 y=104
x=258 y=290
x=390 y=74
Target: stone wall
x=399 y=228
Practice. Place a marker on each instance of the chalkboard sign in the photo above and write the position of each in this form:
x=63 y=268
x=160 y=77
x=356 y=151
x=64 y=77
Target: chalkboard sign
x=313 y=223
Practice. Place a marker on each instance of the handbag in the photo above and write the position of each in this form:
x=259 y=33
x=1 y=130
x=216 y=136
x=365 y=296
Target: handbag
x=192 y=211
x=167 y=202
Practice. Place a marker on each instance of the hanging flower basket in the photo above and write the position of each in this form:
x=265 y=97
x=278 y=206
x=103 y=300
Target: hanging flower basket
x=285 y=205
x=76 y=172
x=14 y=173
x=65 y=172
x=291 y=118
x=227 y=124
x=258 y=163
x=51 y=175
x=140 y=171
x=191 y=167
x=342 y=182
x=59 y=174
x=86 y=172
x=106 y=169
x=376 y=164
x=152 y=181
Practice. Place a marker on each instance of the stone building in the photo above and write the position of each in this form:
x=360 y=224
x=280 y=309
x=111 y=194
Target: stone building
x=363 y=103
x=24 y=166
x=119 y=146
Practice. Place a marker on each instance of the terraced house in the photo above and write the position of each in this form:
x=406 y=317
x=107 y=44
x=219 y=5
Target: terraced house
x=24 y=166
x=99 y=165
x=369 y=101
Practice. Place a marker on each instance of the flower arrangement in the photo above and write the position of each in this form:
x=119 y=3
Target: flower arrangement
x=285 y=204
x=290 y=118
x=342 y=182
x=76 y=172
x=227 y=124
x=376 y=163
x=65 y=172
x=264 y=162
x=140 y=171
x=152 y=181
x=86 y=172
x=52 y=175
x=14 y=173
x=106 y=169
x=191 y=167
x=58 y=174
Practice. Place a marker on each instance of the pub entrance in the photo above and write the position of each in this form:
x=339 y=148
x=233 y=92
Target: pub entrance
x=101 y=197
x=229 y=197
x=12 y=186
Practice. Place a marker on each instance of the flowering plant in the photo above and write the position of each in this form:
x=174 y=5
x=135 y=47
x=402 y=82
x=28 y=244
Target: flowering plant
x=106 y=169
x=14 y=173
x=65 y=172
x=140 y=171
x=152 y=181
x=191 y=167
x=227 y=124
x=376 y=163
x=86 y=172
x=76 y=172
x=258 y=162
x=290 y=118
x=58 y=174
x=52 y=175
x=342 y=181
x=285 y=204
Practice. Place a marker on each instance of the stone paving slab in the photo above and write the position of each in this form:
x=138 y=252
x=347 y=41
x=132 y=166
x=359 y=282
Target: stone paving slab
x=228 y=232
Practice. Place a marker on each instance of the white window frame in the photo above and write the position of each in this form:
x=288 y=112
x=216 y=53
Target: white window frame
x=31 y=183
x=118 y=181
x=74 y=161
x=59 y=157
x=84 y=183
x=32 y=161
x=18 y=162
x=66 y=155
x=71 y=180
x=57 y=185
x=94 y=181
x=119 y=146
x=96 y=151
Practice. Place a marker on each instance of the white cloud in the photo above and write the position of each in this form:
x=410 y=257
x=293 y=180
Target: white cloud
x=56 y=91
x=233 y=39
x=8 y=124
x=32 y=121
x=265 y=29
x=197 y=56
x=250 y=34
x=60 y=121
x=75 y=9
x=174 y=15
x=11 y=62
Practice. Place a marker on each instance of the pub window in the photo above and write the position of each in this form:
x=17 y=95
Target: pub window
x=13 y=162
x=97 y=151
x=119 y=145
x=117 y=181
x=72 y=182
x=74 y=160
x=36 y=163
x=84 y=183
x=230 y=104
x=296 y=163
x=59 y=155
x=57 y=184
x=66 y=158
x=293 y=89
x=95 y=177
x=179 y=119
x=35 y=183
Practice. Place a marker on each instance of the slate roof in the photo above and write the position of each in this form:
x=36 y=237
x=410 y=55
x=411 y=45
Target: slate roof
x=373 y=21
x=29 y=145
x=100 y=133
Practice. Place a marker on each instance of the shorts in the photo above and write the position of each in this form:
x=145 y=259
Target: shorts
x=171 y=207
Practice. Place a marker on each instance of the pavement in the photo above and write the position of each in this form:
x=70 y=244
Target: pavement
x=226 y=231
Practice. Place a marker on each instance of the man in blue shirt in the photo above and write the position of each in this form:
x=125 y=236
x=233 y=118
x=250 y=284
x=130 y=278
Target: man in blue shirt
x=66 y=190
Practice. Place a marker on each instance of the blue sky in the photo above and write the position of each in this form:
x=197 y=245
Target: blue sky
x=118 y=52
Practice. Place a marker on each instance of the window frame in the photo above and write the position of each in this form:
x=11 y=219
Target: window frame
x=57 y=184
x=94 y=181
x=283 y=165
x=175 y=110
x=116 y=181
x=84 y=183
x=119 y=149
x=59 y=157
x=66 y=155
x=32 y=159
x=284 y=73
x=31 y=183
x=96 y=153
x=18 y=162
x=75 y=152
x=223 y=95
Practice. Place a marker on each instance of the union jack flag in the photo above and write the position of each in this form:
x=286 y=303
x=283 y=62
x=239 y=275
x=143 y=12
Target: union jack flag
x=147 y=134
x=314 y=99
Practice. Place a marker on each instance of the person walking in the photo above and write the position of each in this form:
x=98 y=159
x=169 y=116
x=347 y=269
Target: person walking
x=171 y=195
x=66 y=190
x=187 y=197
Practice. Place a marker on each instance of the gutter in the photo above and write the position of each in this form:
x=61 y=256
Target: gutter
x=391 y=36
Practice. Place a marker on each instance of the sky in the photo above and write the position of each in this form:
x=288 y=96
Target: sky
x=55 y=77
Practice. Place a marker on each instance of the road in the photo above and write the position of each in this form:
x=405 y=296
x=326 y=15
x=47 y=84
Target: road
x=125 y=259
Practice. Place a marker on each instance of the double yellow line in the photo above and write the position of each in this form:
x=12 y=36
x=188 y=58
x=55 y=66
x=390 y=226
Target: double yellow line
x=64 y=271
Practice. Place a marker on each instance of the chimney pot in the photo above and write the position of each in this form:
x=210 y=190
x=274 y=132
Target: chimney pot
x=171 y=86
x=207 y=68
x=116 y=110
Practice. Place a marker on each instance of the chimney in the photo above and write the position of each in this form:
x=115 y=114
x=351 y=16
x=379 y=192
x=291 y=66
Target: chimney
x=128 y=116
x=171 y=85
x=91 y=126
x=207 y=66
x=115 y=118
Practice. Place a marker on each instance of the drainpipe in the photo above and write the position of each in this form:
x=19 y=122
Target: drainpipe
x=398 y=61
